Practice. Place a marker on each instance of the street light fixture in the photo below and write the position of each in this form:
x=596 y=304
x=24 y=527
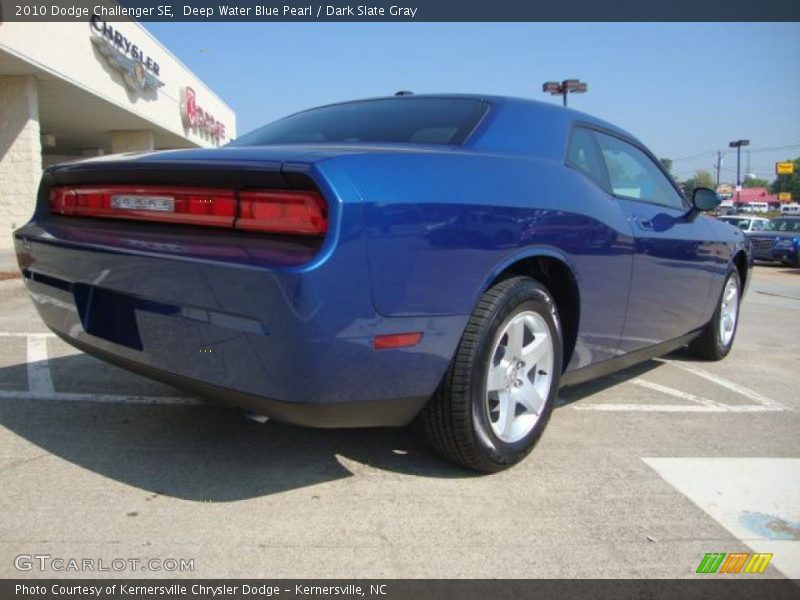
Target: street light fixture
x=738 y=145
x=568 y=86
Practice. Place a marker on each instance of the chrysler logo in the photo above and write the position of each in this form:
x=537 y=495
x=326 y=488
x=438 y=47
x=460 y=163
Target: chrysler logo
x=139 y=72
x=133 y=71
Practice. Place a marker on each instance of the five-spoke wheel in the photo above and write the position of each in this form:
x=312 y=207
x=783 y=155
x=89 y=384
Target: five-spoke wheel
x=519 y=376
x=497 y=395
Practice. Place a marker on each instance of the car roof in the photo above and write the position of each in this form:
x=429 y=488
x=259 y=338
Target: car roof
x=518 y=125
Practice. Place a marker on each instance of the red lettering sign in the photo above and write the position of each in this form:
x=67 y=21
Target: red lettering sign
x=197 y=119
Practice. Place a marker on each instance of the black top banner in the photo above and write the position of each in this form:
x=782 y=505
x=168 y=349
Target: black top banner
x=402 y=10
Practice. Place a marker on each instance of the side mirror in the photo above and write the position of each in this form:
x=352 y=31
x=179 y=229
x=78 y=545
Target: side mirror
x=705 y=199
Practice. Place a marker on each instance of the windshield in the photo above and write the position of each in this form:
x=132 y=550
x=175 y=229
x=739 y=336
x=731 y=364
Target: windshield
x=788 y=225
x=740 y=223
x=392 y=120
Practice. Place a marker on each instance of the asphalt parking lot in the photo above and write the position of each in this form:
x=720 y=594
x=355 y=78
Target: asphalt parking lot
x=638 y=475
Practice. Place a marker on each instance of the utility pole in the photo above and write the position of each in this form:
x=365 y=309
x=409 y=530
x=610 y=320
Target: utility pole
x=719 y=165
x=568 y=86
x=738 y=145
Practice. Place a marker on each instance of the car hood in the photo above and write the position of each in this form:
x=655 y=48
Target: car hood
x=772 y=235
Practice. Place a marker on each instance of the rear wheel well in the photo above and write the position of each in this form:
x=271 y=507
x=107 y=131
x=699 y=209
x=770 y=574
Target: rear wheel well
x=740 y=261
x=560 y=282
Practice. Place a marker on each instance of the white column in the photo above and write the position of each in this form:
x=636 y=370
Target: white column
x=132 y=140
x=20 y=154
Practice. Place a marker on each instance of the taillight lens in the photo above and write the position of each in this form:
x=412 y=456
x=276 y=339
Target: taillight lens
x=282 y=212
x=272 y=211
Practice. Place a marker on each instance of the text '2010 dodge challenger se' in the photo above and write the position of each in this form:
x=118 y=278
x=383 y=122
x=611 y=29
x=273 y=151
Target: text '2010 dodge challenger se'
x=452 y=257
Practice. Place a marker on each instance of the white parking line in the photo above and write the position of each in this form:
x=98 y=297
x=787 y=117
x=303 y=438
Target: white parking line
x=631 y=407
x=678 y=393
x=699 y=404
x=107 y=398
x=40 y=382
x=25 y=334
x=726 y=383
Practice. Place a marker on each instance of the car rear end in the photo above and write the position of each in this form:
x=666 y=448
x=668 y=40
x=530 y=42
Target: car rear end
x=787 y=246
x=234 y=274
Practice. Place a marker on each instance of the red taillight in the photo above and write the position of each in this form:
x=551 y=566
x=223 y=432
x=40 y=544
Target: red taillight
x=282 y=212
x=292 y=212
x=193 y=206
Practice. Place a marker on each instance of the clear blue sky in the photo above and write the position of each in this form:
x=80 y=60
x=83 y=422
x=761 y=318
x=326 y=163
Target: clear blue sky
x=684 y=89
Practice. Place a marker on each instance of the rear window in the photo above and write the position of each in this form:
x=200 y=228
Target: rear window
x=393 y=120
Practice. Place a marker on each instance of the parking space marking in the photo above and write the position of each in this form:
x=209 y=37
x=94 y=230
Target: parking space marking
x=631 y=407
x=25 y=334
x=756 y=499
x=726 y=383
x=677 y=393
x=698 y=403
x=40 y=382
x=107 y=398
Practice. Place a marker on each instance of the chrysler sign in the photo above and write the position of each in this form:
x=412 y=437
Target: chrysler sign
x=139 y=71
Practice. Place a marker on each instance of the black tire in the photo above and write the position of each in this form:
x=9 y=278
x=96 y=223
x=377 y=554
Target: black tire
x=709 y=344
x=456 y=419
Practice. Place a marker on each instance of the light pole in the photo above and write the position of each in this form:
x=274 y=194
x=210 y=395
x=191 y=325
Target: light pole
x=738 y=145
x=568 y=86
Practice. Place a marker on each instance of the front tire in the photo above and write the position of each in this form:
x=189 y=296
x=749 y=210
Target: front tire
x=498 y=393
x=717 y=338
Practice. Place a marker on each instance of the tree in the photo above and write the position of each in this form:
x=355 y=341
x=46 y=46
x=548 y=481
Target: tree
x=701 y=179
x=667 y=162
x=755 y=182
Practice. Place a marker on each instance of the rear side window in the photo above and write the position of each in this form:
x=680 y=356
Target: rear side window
x=635 y=175
x=392 y=120
x=584 y=155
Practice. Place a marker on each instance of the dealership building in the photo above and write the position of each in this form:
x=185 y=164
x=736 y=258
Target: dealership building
x=74 y=90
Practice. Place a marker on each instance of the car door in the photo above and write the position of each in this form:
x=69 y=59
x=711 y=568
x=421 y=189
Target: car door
x=673 y=260
x=600 y=243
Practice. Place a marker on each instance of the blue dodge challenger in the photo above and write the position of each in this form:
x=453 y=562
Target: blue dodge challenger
x=455 y=258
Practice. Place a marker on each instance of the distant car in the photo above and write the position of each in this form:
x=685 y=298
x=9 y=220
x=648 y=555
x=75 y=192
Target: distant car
x=779 y=241
x=790 y=209
x=360 y=264
x=746 y=224
x=755 y=207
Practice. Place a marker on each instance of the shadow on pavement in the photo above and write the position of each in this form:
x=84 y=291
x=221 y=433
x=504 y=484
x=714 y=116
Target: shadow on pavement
x=579 y=392
x=213 y=453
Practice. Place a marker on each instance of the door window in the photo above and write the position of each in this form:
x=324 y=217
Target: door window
x=634 y=175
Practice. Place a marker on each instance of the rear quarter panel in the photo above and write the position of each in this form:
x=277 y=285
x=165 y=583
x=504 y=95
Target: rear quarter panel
x=442 y=225
x=729 y=241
